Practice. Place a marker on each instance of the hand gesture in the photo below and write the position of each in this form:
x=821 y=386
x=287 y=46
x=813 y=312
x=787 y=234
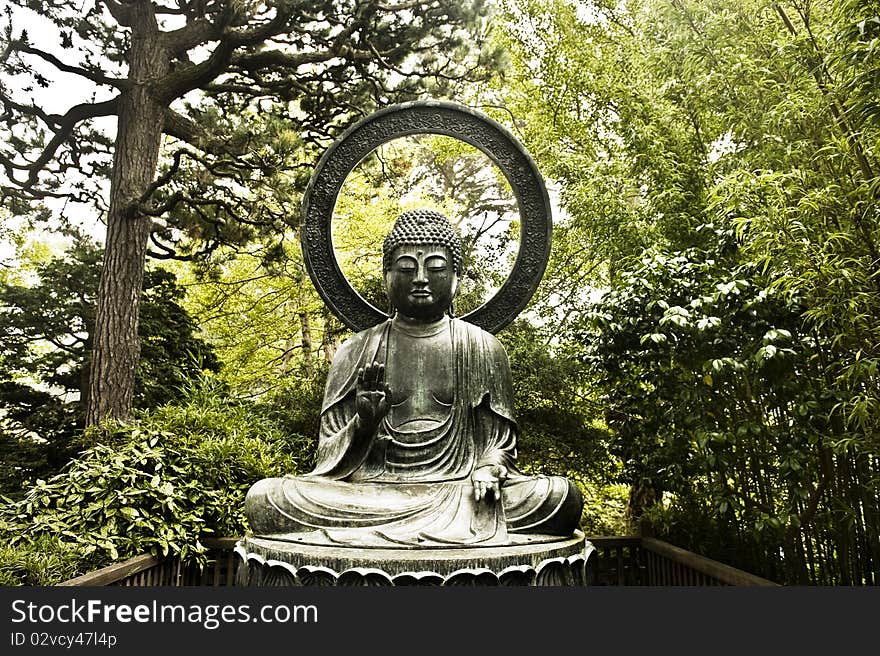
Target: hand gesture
x=487 y=482
x=373 y=395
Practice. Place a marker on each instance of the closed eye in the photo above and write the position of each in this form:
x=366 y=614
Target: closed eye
x=436 y=263
x=405 y=264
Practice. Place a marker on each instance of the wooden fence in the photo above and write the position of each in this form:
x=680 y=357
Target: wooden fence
x=635 y=560
x=148 y=570
x=621 y=561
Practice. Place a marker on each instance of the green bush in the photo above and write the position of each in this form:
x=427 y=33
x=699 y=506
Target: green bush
x=294 y=406
x=605 y=508
x=158 y=485
x=45 y=561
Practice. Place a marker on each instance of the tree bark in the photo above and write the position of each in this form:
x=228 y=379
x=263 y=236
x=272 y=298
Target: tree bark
x=642 y=497
x=306 y=330
x=138 y=139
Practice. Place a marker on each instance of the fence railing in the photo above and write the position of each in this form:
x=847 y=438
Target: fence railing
x=635 y=560
x=621 y=561
x=147 y=570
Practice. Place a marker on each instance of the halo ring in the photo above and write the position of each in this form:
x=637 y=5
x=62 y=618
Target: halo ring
x=426 y=117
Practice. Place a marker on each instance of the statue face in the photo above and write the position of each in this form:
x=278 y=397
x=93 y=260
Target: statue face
x=421 y=282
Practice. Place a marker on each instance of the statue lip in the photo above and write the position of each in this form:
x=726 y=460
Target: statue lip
x=420 y=292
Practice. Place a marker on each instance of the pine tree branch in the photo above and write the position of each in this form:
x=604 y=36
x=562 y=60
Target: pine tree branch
x=188 y=131
x=165 y=178
x=196 y=33
x=201 y=29
x=256 y=35
x=29 y=110
x=94 y=76
x=276 y=58
x=187 y=79
x=121 y=13
x=173 y=11
x=400 y=6
x=180 y=127
x=66 y=125
x=32 y=194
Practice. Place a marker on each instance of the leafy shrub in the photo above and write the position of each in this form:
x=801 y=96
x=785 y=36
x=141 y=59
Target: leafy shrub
x=294 y=406
x=45 y=561
x=605 y=509
x=721 y=404
x=156 y=485
x=560 y=430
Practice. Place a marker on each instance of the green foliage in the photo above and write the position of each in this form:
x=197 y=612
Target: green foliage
x=739 y=364
x=46 y=560
x=605 y=509
x=727 y=427
x=798 y=230
x=856 y=57
x=172 y=347
x=558 y=434
x=44 y=357
x=263 y=319
x=157 y=485
x=295 y=407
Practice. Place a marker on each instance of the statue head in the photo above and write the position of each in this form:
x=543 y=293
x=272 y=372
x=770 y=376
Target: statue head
x=421 y=259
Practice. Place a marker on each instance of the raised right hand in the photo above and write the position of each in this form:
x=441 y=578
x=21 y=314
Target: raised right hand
x=373 y=395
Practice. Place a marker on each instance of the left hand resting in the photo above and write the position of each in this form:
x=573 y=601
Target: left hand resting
x=487 y=482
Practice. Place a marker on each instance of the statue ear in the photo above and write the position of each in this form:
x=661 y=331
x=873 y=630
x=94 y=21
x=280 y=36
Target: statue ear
x=454 y=290
x=391 y=308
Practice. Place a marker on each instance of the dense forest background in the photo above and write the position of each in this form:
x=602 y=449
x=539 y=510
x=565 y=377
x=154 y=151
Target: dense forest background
x=701 y=356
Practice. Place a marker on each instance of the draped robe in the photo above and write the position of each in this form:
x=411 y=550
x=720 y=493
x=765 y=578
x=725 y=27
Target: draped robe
x=413 y=488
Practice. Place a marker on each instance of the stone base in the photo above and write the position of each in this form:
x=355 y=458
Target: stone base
x=566 y=562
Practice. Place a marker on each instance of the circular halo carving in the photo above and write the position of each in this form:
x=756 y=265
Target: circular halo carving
x=426 y=117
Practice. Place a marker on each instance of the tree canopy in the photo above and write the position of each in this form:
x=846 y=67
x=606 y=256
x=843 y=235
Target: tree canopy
x=718 y=165
x=217 y=106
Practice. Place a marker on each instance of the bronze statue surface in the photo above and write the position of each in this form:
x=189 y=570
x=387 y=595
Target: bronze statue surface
x=417 y=444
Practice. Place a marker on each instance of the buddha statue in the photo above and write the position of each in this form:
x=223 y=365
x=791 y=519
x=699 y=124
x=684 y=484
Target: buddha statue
x=417 y=441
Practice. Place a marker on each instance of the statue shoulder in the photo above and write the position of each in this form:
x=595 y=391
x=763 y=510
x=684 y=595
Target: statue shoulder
x=354 y=346
x=489 y=377
x=475 y=332
x=487 y=340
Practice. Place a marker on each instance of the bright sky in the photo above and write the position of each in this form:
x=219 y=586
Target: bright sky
x=65 y=91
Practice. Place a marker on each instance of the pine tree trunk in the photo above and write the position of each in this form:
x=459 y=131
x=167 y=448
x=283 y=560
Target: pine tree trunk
x=306 y=330
x=139 y=135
